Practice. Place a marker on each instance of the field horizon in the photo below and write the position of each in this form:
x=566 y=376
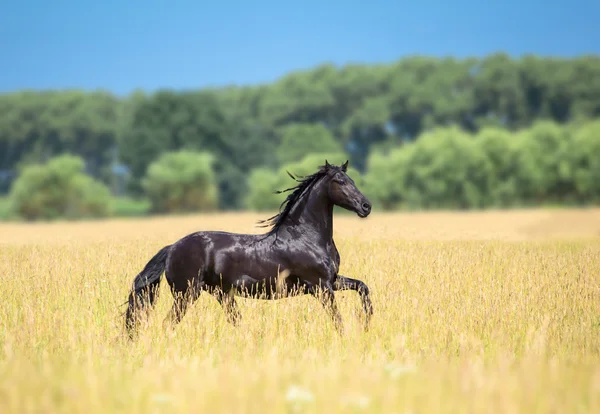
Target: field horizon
x=490 y=311
x=490 y=224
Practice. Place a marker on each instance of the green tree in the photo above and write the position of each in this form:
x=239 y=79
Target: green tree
x=499 y=95
x=366 y=127
x=169 y=121
x=197 y=121
x=361 y=109
x=501 y=149
x=542 y=163
x=444 y=168
x=37 y=126
x=182 y=181
x=262 y=184
x=59 y=188
x=300 y=97
x=584 y=162
x=385 y=180
x=249 y=144
x=299 y=140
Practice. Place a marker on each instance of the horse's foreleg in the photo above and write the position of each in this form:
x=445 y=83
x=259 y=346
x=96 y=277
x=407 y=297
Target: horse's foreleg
x=346 y=283
x=227 y=301
x=327 y=298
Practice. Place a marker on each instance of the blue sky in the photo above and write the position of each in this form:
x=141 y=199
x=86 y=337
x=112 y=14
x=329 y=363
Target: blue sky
x=149 y=44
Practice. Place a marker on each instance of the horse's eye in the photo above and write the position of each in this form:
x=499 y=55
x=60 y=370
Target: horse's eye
x=341 y=181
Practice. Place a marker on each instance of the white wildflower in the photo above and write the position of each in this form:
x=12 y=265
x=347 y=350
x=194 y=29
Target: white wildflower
x=297 y=394
x=297 y=397
x=396 y=370
x=360 y=401
x=162 y=398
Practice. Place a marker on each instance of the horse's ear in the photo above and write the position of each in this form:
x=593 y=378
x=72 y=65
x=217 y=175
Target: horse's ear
x=345 y=166
x=327 y=164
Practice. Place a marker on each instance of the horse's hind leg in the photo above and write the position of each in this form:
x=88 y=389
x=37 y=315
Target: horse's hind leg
x=183 y=299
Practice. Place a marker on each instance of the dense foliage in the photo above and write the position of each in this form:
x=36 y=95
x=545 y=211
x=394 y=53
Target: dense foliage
x=448 y=168
x=59 y=188
x=181 y=181
x=424 y=132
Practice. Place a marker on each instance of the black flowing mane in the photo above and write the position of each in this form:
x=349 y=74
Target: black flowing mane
x=305 y=184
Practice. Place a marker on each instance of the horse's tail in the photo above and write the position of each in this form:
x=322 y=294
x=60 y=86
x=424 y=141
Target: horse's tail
x=145 y=286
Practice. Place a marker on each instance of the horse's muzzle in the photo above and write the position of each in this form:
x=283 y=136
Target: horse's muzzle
x=365 y=209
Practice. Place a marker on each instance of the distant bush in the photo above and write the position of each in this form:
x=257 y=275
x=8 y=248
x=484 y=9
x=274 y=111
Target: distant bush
x=547 y=164
x=130 y=207
x=263 y=182
x=445 y=168
x=583 y=163
x=182 y=181
x=502 y=150
x=5 y=209
x=59 y=189
x=542 y=169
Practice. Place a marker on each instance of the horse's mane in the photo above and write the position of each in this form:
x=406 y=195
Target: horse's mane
x=305 y=184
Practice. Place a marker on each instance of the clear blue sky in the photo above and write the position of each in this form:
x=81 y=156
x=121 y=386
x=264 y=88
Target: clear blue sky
x=149 y=44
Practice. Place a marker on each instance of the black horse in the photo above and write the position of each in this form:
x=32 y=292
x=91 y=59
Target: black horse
x=296 y=256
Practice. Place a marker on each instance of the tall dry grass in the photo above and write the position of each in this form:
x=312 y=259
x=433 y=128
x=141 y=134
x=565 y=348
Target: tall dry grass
x=481 y=312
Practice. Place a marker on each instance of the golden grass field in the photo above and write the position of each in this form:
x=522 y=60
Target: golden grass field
x=493 y=312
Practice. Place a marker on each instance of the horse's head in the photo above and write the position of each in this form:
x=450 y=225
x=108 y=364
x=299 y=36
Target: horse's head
x=344 y=193
x=330 y=182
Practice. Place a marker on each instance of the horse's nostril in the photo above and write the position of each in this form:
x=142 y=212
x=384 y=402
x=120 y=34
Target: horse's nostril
x=366 y=206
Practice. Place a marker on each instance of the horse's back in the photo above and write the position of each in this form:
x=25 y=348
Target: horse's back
x=217 y=256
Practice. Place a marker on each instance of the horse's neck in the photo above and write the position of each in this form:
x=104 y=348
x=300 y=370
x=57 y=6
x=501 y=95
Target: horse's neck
x=315 y=213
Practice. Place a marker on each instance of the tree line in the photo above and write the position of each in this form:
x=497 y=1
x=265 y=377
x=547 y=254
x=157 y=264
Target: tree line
x=413 y=124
